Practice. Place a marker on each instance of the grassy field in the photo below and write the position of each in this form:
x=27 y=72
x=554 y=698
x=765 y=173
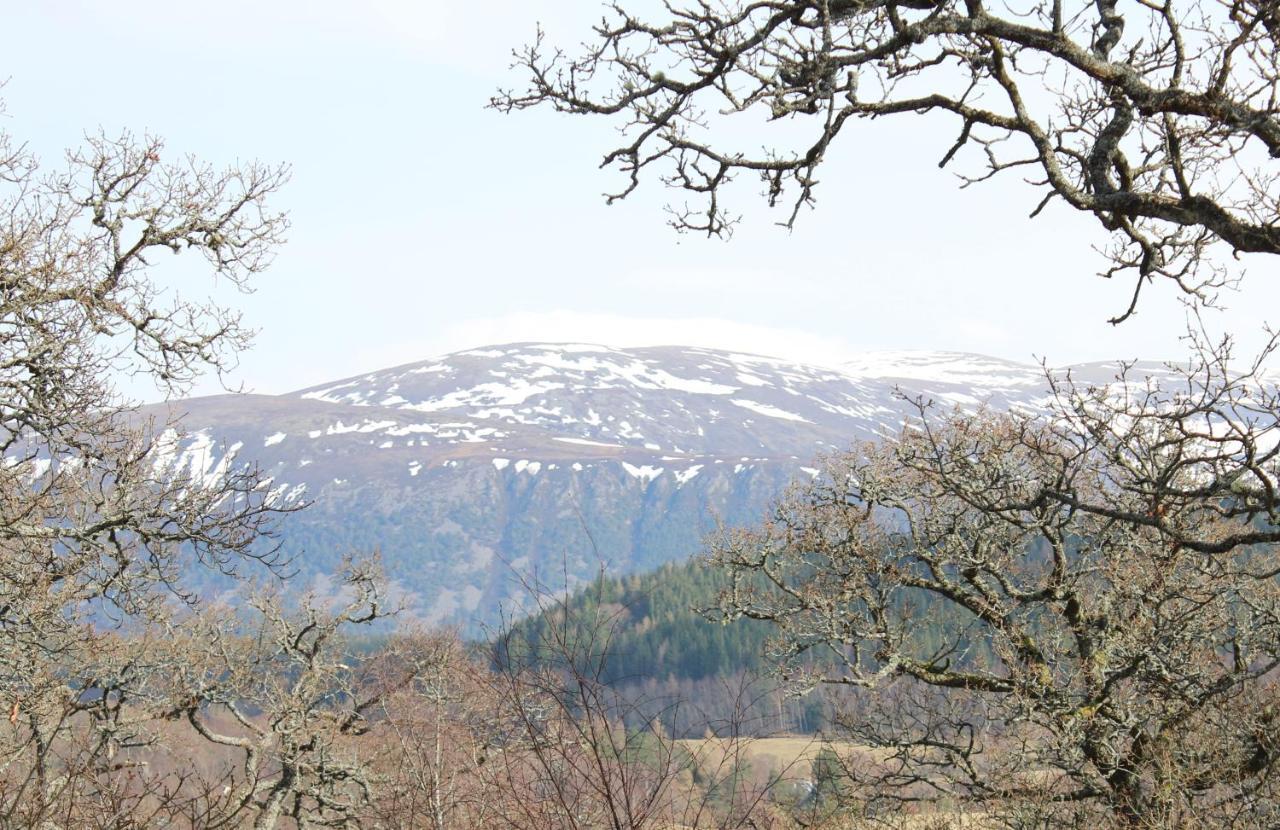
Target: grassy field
x=791 y=757
x=793 y=754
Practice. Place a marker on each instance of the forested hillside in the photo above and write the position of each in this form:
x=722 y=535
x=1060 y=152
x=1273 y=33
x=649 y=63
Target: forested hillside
x=646 y=635
x=655 y=629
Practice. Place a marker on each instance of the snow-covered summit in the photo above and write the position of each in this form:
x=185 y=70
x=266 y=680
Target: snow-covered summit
x=655 y=408
x=673 y=398
x=946 y=367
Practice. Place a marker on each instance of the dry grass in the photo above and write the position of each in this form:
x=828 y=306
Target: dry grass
x=778 y=752
x=792 y=754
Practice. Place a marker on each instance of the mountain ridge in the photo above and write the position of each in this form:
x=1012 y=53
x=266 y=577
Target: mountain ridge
x=471 y=470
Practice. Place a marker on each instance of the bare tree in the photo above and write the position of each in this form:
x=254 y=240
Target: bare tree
x=1158 y=118
x=589 y=757
x=579 y=752
x=1068 y=620
x=287 y=701
x=94 y=533
x=435 y=737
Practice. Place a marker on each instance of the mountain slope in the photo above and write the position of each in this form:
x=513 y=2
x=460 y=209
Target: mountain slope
x=543 y=461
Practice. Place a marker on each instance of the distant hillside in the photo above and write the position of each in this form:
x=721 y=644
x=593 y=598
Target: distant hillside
x=475 y=469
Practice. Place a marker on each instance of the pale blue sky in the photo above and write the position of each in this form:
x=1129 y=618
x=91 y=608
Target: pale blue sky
x=423 y=222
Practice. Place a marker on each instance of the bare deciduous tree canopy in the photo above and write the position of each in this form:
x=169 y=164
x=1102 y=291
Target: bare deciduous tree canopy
x=1064 y=621
x=94 y=533
x=1159 y=118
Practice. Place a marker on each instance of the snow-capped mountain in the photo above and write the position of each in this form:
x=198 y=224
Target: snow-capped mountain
x=482 y=466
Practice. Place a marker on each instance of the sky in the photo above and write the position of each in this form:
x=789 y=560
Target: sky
x=424 y=222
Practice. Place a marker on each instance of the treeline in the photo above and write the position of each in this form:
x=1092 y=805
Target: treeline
x=655 y=627
x=650 y=637
x=645 y=636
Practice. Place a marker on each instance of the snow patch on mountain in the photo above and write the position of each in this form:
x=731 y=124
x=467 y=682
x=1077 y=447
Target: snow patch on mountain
x=644 y=472
x=583 y=442
x=685 y=476
x=769 y=411
x=945 y=367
